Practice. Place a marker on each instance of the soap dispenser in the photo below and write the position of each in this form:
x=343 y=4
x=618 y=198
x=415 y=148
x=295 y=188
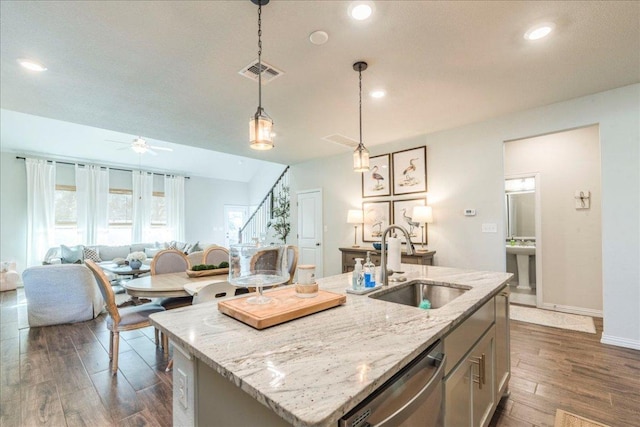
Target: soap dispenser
x=369 y=269
x=357 y=281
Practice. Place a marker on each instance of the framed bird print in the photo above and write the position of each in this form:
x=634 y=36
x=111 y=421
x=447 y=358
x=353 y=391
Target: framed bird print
x=410 y=171
x=376 y=218
x=402 y=213
x=376 y=182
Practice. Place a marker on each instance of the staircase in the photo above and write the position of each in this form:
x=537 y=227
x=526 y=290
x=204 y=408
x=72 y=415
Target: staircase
x=257 y=224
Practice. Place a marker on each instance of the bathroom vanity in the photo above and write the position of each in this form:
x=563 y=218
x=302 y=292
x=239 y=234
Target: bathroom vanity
x=315 y=370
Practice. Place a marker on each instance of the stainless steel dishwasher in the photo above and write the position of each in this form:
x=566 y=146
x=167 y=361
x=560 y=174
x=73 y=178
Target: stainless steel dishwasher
x=412 y=397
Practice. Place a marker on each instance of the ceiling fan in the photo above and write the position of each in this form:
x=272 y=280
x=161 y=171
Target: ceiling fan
x=141 y=146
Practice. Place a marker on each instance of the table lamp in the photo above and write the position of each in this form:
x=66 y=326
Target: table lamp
x=422 y=215
x=355 y=216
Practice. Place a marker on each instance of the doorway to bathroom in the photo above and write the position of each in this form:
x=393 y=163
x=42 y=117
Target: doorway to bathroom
x=555 y=179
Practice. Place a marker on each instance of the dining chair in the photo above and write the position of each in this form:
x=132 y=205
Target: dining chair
x=124 y=319
x=171 y=261
x=215 y=255
x=292 y=261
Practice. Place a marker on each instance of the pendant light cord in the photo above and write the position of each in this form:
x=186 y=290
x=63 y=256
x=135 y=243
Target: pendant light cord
x=260 y=58
x=360 y=102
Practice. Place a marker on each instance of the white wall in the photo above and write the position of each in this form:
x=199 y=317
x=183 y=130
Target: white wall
x=204 y=207
x=465 y=170
x=262 y=181
x=571 y=239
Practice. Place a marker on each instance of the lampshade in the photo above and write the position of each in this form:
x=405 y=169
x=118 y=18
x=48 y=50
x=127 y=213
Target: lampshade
x=260 y=134
x=361 y=159
x=355 y=216
x=422 y=214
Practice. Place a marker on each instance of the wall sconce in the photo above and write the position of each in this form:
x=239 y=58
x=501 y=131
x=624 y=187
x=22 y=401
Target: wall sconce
x=355 y=216
x=422 y=215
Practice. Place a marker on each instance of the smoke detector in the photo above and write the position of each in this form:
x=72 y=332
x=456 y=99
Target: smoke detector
x=269 y=72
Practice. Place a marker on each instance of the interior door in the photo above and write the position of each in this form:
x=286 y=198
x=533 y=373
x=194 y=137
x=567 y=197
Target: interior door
x=310 y=229
x=234 y=218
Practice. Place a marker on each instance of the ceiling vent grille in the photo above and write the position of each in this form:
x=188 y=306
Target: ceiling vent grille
x=341 y=140
x=269 y=72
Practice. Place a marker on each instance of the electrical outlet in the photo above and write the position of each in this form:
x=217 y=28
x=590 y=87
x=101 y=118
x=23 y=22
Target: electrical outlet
x=183 y=387
x=469 y=212
x=490 y=228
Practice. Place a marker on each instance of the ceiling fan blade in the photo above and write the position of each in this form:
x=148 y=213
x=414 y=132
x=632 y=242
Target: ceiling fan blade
x=150 y=151
x=155 y=147
x=122 y=148
x=117 y=142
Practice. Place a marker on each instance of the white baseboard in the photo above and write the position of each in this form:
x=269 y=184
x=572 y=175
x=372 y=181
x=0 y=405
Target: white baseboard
x=572 y=310
x=620 y=342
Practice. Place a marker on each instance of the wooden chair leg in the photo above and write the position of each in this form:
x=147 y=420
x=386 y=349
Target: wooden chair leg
x=116 y=348
x=110 y=345
x=169 y=366
x=165 y=344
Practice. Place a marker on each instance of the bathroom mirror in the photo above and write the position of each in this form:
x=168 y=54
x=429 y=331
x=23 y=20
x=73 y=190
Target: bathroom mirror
x=521 y=214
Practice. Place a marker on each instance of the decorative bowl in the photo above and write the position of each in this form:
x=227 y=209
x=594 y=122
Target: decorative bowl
x=378 y=246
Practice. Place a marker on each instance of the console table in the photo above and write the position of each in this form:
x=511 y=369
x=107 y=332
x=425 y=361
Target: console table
x=349 y=256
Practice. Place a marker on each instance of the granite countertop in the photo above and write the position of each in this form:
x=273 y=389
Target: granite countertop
x=313 y=370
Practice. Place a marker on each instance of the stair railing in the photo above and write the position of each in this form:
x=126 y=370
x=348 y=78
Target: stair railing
x=257 y=224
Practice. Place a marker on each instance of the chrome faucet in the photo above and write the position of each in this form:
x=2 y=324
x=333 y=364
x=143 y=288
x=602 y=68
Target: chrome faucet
x=384 y=271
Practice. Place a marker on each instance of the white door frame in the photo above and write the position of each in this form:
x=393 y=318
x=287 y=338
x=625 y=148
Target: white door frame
x=538 y=220
x=226 y=219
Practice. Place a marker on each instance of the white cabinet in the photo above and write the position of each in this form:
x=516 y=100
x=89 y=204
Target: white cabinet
x=470 y=387
x=478 y=367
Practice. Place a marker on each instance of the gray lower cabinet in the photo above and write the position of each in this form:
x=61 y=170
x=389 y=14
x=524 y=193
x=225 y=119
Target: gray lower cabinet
x=503 y=351
x=478 y=369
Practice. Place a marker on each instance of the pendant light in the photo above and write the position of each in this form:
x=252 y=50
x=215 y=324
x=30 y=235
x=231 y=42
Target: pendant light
x=260 y=125
x=361 y=154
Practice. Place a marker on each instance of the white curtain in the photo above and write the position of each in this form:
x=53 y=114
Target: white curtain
x=92 y=193
x=142 y=198
x=41 y=190
x=174 y=206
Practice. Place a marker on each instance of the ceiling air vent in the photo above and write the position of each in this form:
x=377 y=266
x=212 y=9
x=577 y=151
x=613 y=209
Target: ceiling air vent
x=341 y=140
x=269 y=72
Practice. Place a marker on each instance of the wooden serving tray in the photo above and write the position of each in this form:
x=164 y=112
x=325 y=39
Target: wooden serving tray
x=204 y=273
x=285 y=306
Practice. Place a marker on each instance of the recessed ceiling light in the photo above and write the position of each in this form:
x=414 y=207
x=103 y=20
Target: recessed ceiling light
x=360 y=10
x=377 y=94
x=318 y=37
x=539 y=31
x=32 y=65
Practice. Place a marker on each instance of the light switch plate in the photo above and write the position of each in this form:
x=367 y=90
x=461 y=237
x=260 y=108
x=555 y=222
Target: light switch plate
x=490 y=228
x=469 y=212
x=183 y=387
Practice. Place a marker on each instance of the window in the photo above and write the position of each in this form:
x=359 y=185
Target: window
x=120 y=216
x=66 y=215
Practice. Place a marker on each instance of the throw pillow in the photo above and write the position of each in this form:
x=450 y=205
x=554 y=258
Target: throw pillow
x=171 y=245
x=92 y=254
x=151 y=252
x=187 y=248
x=195 y=248
x=71 y=255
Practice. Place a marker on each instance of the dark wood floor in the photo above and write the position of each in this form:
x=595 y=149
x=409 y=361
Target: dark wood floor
x=58 y=376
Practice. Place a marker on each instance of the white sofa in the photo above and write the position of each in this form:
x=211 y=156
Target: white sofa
x=57 y=294
x=109 y=253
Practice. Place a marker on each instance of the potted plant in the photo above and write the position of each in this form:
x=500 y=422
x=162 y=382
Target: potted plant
x=135 y=259
x=280 y=214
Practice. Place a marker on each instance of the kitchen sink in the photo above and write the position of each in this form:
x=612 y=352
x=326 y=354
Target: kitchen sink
x=413 y=293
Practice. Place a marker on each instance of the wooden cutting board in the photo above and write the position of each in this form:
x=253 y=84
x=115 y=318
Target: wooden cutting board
x=285 y=306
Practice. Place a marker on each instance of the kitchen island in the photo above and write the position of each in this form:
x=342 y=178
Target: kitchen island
x=313 y=370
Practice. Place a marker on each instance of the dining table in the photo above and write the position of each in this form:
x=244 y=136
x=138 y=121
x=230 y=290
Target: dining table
x=168 y=285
